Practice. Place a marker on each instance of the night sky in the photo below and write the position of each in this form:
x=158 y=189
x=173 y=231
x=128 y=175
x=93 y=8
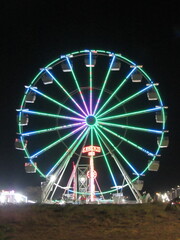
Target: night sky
x=33 y=33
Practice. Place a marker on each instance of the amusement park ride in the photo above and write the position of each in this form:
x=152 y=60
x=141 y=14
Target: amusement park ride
x=91 y=123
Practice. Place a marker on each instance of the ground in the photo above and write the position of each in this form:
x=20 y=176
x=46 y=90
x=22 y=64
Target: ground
x=87 y=222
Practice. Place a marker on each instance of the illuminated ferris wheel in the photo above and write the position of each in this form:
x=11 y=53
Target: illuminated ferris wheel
x=85 y=99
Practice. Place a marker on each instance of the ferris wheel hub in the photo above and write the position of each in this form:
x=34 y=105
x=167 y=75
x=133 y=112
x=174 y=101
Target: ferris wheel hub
x=91 y=120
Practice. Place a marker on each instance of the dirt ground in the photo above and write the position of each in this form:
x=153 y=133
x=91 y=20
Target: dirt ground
x=89 y=222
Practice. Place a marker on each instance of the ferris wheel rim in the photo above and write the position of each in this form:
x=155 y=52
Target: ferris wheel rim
x=85 y=52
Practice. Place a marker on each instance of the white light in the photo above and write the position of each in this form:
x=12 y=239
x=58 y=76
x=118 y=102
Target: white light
x=18 y=197
x=52 y=178
x=62 y=202
x=12 y=197
x=164 y=197
x=2 y=198
x=82 y=179
x=30 y=201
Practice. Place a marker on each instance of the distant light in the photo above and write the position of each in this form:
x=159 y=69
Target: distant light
x=2 y=198
x=165 y=197
x=12 y=197
x=18 y=197
x=30 y=201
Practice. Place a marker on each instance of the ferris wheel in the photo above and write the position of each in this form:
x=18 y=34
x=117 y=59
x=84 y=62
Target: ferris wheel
x=86 y=99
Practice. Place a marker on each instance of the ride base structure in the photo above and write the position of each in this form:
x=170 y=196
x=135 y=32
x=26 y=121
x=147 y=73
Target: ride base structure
x=88 y=177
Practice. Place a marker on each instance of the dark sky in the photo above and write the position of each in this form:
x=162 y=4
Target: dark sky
x=33 y=33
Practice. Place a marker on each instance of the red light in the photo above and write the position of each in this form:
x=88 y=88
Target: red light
x=94 y=174
x=91 y=149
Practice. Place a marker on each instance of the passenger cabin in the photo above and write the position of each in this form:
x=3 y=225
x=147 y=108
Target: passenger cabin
x=159 y=117
x=23 y=120
x=152 y=95
x=30 y=168
x=19 y=145
x=47 y=79
x=136 y=76
x=164 y=143
x=65 y=66
x=93 y=61
x=30 y=97
x=116 y=65
x=154 y=166
x=138 y=184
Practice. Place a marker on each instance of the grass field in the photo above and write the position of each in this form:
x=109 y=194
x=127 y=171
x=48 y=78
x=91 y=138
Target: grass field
x=89 y=222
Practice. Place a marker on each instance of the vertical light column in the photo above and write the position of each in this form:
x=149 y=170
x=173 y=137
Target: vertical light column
x=91 y=150
x=74 y=182
x=90 y=80
x=92 y=186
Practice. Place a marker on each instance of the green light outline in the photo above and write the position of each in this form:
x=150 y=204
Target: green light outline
x=122 y=156
x=131 y=127
x=77 y=85
x=91 y=135
x=116 y=90
x=144 y=111
x=117 y=165
x=105 y=157
x=60 y=85
x=74 y=145
x=44 y=114
x=55 y=101
x=163 y=112
x=104 y=84
x=127 y=141
x=126 y=100
x=47 y=130
x=56 y=142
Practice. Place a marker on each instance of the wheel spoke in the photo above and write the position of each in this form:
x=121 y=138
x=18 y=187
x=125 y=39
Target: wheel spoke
x=77 y=85
x=122 y=156
x=116 y=90
x=54 y=101
x=60 y=174
x=73 y=148
x=129 y=114
x=60 y=85
x=131 y=127
x=122 y=170
x=104 y=84
x=128 y=141
x=44 y=114
x=77 y=163
x=57 y=175
x=92 y=133
x=56 y=142
x=90 y=80
x=126 y=100
x=106 y=160
x=46 y=130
